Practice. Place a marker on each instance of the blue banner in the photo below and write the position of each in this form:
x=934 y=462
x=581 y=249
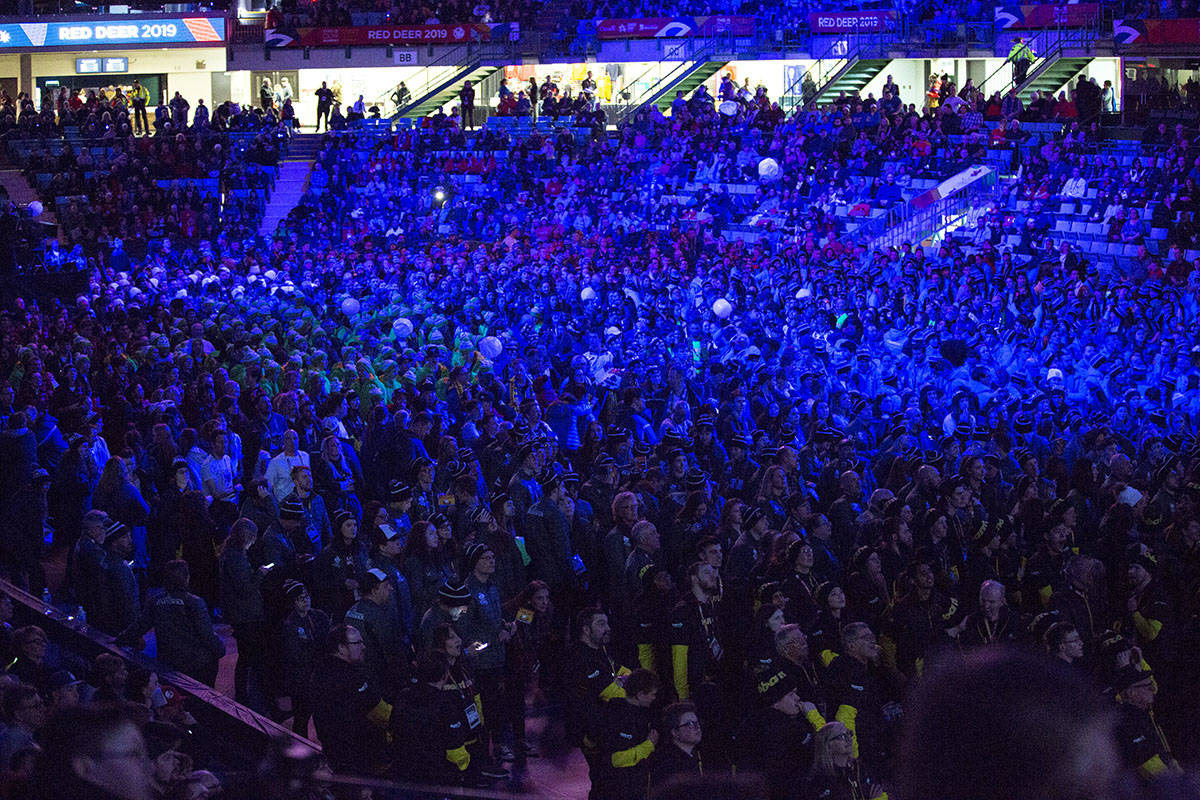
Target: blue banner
x=129 y=32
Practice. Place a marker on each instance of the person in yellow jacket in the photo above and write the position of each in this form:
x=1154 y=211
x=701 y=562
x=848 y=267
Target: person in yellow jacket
x=1021 y=55
x=139 y=96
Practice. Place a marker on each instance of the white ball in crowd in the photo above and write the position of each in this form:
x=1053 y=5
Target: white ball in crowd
x=491 y=347
x=768 y=170
x=36 y=208
x=722 y=308
x=403 y=327
x=350 y=306
x=587 y=294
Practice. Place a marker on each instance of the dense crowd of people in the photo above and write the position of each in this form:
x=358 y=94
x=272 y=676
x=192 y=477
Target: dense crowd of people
x=125 y=178
x=345 y=13
x=498 y=414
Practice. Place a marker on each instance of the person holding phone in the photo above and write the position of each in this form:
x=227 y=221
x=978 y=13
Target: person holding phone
x=484 y=627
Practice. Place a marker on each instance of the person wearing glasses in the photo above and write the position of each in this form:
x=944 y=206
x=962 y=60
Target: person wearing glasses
x=350 y=712
x=836 y=773
x=1064 y=642
x=859 y=694
x=1141 y=742
x=679 y=756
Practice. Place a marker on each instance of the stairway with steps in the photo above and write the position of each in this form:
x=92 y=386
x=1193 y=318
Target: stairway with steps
x=851 y=78
x=1053 y=77
x=447 y=91
x=292 y=181
x=686 y=82
x=21 y=193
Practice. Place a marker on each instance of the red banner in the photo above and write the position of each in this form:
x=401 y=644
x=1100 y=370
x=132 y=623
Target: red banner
x=661 y=27
x=1140 y=33
x=380 y=34
x=1047 y=15
x=851 y=21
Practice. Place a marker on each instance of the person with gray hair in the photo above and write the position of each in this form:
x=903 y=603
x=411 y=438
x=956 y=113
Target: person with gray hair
x=860 y=695
x=994 y=622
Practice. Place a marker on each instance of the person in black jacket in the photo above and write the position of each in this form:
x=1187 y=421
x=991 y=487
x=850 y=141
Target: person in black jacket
x=119 y=588
x=340 y=566
x=836 y=774
x=627 y=741
x=697 y=652
x=1142 y=743
x=859 y=695
x=242 y=607
x=680 y=756
x=86 y=567
x=994 y=622
x=776 y=736
x=350 y=713
x=429 y=738
x=592 y=678
x=182 y=627
x=548 y=539
x=22 y=532
x=304 y=632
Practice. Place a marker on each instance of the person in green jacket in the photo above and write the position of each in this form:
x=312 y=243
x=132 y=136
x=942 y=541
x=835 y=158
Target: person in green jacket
x=1021 y=55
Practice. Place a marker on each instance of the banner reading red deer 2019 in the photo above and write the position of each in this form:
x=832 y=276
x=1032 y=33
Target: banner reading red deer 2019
x=852 y=21
x=379 y=34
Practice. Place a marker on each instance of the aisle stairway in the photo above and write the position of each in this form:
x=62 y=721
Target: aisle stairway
x=1053 y=77
x=685 y=82
x=852 y=78
x=21 y=193
x=292 y=180
x=447 y=90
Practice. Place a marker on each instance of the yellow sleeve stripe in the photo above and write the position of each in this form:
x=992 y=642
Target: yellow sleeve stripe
x=679 y=658
x=848 y=716
x=459 y=757
x=634 y=755
x=646 y=657
x=380 y=714
x=1152 y=767
x=1148 y=628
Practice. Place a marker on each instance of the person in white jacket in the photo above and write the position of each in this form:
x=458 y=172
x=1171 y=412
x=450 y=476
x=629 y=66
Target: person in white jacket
x=279 y=468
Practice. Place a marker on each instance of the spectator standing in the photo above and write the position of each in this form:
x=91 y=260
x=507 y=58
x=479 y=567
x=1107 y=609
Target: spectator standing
x=242 y=607
x=118 y=606
x=1021 y=56
x=324 y=105
x=466 y=102
x=139 y=96
x=182 y=627
x=350 y=714
x=304 y=632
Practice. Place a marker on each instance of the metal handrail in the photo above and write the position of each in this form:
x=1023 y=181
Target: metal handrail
x=707 y=48
x=457 y=59
x=1057 y=40
x=904 y=220
x=823 y=73
x=842 y=52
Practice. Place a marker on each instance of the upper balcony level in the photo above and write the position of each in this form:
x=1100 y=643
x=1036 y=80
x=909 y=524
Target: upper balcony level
x=582 y=28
